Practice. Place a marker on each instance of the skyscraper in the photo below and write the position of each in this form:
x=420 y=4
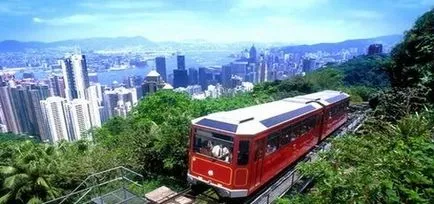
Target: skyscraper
x=133 y=81
x=192 y=76
x=160 y=63
x=10 y=116
x=55 y=114
x=226 y=76
x=375 y=49
x=57 y=86
x=75 y=76
x=309 y=65
x=253 y=55
x=95 y=99
x=38 y=93
x=204 y=79
x=239 y=69
x=181 y=62
x=180 y=78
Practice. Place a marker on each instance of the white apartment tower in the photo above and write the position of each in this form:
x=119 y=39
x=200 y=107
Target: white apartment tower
x=55 y=114
x=95 y=98
x=79 y=111
x=75 y=75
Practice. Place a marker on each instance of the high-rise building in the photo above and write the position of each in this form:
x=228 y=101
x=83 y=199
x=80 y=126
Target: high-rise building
x=309 y=65
x=160 y=64
x=3 y=127
x=110 y=103
x=79 y=112
x=75 y=76
x=226 y=76
x=152 y=83
x=205 y=77
x=180 y=78
x=21 y=110
x=95 y=99
x=192 y=76
x=262 y=72
x=7 y=104
x=133 y=81
x=56 y=116
x=181 y=62
x=57 y=86
x=38 y=93
x=239 y=69
x=253 y=55
x=119 y=102
x=375 y=49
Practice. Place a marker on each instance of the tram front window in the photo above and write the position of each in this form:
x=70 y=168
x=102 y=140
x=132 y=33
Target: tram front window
x=213 y=145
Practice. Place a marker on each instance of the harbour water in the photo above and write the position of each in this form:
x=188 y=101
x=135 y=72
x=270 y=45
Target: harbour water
x=198 y=59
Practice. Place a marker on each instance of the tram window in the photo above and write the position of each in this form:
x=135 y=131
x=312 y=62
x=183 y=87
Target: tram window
x=214 y=145
x=243 y=153
x=286 y=136
x=273 y=143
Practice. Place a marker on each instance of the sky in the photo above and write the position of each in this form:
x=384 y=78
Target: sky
x=289 y=21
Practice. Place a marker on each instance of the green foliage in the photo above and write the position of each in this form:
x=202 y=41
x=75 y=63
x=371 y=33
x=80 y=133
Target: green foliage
x=32 y=172
x=391 y=164
x=367 y=71
x=393 y=104
x=413 y=61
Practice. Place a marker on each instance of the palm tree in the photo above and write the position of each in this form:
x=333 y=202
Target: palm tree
x=27 y=178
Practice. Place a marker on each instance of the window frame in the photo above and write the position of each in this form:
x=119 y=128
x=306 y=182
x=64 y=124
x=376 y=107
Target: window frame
x=197 y=150
x=275 y=137
x=246 y=152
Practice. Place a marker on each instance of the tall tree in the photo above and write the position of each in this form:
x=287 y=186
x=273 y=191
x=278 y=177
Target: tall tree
x=413 y=59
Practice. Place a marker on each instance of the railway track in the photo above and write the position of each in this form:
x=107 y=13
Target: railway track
x=288 y=180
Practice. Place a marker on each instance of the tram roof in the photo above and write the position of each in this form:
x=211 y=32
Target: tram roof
x=325 y=97
x=255 y=119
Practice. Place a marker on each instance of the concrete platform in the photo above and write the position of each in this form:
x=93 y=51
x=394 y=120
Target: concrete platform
x=165 y=194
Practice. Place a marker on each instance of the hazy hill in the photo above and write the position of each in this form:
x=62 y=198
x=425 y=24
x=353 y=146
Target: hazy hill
x=361 y=44
x=86 y=44
x=126 y=42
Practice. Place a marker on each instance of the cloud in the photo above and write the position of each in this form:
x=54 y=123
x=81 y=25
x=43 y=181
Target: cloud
x=74 y=19
x=102 y=19
x=37 y=20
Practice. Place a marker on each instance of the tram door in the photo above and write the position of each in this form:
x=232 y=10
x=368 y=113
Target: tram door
x=258 y=160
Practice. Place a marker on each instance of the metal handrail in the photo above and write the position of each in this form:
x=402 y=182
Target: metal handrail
x=76 y=191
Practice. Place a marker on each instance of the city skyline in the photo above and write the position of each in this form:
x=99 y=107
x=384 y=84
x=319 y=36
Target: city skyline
x=309 y=21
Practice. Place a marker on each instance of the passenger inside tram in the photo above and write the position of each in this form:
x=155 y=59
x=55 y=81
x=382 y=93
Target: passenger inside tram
x=214 y=148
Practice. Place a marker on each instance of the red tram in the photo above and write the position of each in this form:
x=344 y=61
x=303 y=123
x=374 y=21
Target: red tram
x=238 y=151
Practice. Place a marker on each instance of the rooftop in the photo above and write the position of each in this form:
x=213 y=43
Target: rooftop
x=153 y=73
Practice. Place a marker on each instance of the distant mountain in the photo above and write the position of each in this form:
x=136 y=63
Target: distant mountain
x=86 y=44
x=128 y=42
x=361 y=44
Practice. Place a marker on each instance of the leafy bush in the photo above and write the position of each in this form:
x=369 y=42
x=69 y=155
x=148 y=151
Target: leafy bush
x=391 y=164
